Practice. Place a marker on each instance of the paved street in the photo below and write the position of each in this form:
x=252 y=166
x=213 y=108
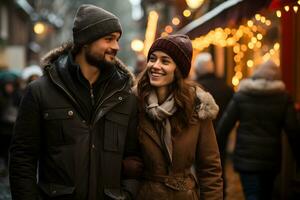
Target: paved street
x=234 y=189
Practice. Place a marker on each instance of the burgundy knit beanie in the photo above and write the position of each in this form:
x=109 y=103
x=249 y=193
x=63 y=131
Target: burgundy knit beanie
x=178 y=47
x=92 y=22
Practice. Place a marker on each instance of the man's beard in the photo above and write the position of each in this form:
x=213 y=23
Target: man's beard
x=97 y=61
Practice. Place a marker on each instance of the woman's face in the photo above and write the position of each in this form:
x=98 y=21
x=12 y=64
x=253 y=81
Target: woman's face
x=160 y=69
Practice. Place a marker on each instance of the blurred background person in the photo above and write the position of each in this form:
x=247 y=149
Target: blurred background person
x=263 y=109
x=31 y=73
x=217 y=87
x=140 y=64
x=10 y=97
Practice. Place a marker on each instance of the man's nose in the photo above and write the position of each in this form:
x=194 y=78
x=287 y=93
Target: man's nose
x=116 y=45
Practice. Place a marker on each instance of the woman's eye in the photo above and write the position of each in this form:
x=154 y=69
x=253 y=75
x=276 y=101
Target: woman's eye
x=152 y=59
x=165 y=62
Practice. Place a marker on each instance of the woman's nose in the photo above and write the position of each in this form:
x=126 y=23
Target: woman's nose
x=156 y=64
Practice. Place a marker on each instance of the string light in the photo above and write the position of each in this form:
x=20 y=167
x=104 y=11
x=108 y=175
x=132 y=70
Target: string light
x=175 y=21
x=295 y=8
x=186 y=13
x=245 y=38
x=278 y=13
x=286 y=8
x=250 y=23
x=235 y=81
x=250 y=63
x=257 y=17
x=169 y=29
x=276 y=46
x=39 y=28
x=259 y=36
x=137 y=45
x=194 y=4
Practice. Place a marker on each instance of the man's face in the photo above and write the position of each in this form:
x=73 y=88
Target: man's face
x=103 y=51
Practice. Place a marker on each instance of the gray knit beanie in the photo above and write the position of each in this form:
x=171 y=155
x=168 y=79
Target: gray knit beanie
x=92 y=22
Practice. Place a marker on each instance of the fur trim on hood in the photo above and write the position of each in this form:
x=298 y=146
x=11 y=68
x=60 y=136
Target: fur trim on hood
x=54 y=54
x=261 y=86
x=208 y=109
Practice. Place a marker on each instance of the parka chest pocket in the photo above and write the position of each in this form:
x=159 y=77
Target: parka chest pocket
x=115 y=130
x=56 y=123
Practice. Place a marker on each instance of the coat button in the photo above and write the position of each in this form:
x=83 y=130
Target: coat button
x=54 y=192
x=46 y=115
x=93 y=146
x=70 y=113
x=83 y=121
x=120 y=98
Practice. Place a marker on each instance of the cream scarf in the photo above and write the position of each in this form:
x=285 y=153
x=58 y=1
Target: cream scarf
x=161 y=114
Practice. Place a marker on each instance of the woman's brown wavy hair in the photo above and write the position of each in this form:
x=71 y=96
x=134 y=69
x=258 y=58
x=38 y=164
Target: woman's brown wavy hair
x=184 y=96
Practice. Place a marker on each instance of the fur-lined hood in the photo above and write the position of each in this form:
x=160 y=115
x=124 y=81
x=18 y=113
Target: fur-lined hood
x=261 y=86
x=54 y=54
x=207 y=109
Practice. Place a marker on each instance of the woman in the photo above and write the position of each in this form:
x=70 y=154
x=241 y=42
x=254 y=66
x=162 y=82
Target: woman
x=263 y=109
x=179 y=148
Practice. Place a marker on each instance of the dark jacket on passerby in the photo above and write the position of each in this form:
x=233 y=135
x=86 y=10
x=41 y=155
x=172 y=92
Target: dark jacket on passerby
x=75 y=140
x=194 y=146
x=218 y=88
x=263 y=109
x=10 y=96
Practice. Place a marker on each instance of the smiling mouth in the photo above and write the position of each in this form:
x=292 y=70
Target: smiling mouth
x=111 y=54
x=156 y=74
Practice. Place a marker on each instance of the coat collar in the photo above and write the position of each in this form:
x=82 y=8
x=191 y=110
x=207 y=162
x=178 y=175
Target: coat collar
x=54 y=54
x=207 y=108
x=149 y=129
x=261 y=86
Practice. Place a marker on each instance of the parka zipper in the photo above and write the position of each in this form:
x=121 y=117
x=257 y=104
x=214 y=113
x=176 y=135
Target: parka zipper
x=99 y=105
x=92 y=95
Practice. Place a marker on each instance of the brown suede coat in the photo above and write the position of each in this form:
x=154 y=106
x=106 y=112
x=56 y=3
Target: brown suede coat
x=196 y=146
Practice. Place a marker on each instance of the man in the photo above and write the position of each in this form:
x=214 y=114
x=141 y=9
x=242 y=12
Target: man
x=206 y=77
x=77 y=123
x=222 y=93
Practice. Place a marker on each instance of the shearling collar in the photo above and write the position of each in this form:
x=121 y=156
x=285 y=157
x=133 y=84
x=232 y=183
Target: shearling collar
x=54 y=54
x=261 y=86
x=208 y=109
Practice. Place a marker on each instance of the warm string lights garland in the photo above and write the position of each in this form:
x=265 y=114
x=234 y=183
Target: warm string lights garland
x=246 y=40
